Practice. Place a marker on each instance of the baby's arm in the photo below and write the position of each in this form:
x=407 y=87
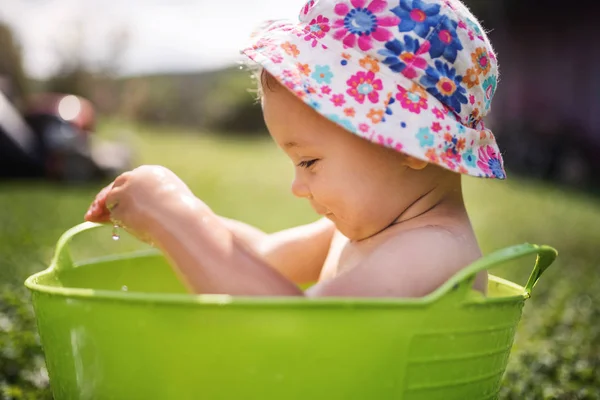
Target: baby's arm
x=297 y=253
x=212 y=254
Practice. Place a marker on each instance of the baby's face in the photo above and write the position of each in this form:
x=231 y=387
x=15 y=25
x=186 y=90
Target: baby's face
x=356 y=184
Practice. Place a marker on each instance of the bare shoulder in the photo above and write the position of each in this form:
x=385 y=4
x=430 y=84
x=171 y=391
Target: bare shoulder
x=410 y=263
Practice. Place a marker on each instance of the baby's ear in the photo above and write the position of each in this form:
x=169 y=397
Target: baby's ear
x=414 y=163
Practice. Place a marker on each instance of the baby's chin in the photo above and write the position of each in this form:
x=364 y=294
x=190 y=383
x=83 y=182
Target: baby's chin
x=353 y=231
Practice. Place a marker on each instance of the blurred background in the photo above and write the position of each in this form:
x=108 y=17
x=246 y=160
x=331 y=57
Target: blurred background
x=91 y=88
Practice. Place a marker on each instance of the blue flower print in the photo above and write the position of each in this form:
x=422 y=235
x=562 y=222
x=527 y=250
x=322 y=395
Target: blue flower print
x=417 y=15
x=445 y=41
x=404 y=57
x=322 y=74
x=314 y=104
x=496 y=167
x=443 y=83
x=461 y=128
x=469 y=158
x=342 y=121
x=388 y=109
x=425 y=137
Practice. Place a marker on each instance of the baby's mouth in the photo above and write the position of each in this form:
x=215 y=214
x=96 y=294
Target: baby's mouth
x=321 y=210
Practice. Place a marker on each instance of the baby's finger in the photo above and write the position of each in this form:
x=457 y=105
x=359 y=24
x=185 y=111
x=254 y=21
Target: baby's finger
x=111 y=202
x=101 y=196
x=97 y=211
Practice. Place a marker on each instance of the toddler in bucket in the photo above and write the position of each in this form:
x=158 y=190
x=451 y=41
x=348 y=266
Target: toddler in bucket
x=379 y=104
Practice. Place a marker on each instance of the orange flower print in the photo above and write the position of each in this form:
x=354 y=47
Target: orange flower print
x=346 y=56
x=473 y=118
x=290 y=49
x=349 y=112
x=370 y=64
x=375 y=115
x=449 y=160
x=481 y=59
x=471 y=78
x=432 y=156
x=303 y=68
x=460 y=144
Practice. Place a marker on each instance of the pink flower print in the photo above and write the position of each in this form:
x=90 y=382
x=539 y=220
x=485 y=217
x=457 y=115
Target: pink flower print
x=268 y=48
x=436 y=127
x=317 y=29
x=325 y=89
x=287 y=74
x=414 y=100
x=389 y=142
x=349 y=112
x=490 y=162
x=449 y=4
x=338 y=100
x=362 y=24
x=309 y=4
x=438 y=113
x=364 y=84
x=364 y=128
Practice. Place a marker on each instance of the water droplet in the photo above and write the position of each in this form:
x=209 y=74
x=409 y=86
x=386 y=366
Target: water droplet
x=124 y=288
x=115 y=233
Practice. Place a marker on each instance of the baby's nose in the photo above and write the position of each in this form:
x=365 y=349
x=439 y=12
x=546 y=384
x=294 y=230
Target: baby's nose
x=300 y=189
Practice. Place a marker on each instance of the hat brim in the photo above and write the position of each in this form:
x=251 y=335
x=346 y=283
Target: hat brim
x=363 y=96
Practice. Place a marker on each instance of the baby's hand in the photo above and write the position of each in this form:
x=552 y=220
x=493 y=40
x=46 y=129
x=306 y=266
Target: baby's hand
x=140 y=199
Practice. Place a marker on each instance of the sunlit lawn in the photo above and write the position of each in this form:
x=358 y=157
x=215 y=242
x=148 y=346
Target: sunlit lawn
x=557 y=352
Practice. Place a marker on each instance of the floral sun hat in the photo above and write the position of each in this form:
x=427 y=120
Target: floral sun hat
x=417 y=76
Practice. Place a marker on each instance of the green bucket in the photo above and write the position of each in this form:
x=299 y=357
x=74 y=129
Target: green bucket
x=154 y=341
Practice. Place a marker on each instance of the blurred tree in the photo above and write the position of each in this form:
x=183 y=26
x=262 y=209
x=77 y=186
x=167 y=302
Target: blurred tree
x=13 y=81
x=73 y=75
x=80 y=76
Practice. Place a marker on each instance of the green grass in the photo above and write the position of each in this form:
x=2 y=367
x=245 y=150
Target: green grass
x=557 y=349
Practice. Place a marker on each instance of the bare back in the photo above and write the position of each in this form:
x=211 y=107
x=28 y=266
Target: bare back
x=432 y=258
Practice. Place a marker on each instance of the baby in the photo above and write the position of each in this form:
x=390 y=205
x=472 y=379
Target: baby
x=379 y=105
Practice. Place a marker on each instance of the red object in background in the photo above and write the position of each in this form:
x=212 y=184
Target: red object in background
x=52 y=139
x=74 y=109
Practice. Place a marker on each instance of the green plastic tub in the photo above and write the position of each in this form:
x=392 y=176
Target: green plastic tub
x=122 y=327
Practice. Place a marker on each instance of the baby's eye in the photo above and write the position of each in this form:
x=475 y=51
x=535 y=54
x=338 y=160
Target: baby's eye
x=307 y=164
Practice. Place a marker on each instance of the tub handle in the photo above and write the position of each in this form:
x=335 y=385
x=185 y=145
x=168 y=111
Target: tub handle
x=462 y=281
x=62 y=255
